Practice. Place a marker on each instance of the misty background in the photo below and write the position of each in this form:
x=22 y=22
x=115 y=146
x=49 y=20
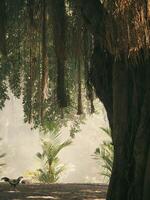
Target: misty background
x=21 y=144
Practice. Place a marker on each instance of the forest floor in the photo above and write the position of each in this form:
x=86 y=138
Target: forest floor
x=54 y=191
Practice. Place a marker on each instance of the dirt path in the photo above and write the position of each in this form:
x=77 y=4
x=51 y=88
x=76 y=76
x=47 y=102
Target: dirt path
x=54 y=191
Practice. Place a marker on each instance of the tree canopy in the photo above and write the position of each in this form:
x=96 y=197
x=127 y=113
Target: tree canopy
x=54 y=52
x=45 y=58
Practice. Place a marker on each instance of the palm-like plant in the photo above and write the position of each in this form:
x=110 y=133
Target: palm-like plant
x=106 y=154
x=51 y=168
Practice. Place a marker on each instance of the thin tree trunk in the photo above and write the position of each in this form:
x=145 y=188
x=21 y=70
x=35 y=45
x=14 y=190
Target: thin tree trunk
x=80 y=108
x=30 y=5
x=59 y=30
x=3 y=28
x=44 y=80
x=87 y=55
x=30 y=86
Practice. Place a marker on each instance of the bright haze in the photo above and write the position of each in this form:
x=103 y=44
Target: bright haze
x=21 y=144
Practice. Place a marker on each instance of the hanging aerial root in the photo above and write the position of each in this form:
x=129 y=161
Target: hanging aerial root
x=3 y=28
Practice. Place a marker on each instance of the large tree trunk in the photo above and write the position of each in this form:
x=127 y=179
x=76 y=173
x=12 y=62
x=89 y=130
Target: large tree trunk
x=118 y=183
x=142 y=144
x=124 y=88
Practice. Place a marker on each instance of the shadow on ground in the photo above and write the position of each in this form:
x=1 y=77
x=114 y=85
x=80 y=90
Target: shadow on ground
x=54 y=191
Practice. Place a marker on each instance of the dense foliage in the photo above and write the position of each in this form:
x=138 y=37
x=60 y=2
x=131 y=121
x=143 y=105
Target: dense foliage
x=45 y=59
x=45 y=53
x=104 y=155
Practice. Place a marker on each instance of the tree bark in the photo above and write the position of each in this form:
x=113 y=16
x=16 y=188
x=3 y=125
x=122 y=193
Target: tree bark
x=101 y=78
x=123 y=85
x=59 y=21
x=87 y=37
x=118 y=183
x=142 y=144
x=44 y=80
x=3 y=28
x=79 y=78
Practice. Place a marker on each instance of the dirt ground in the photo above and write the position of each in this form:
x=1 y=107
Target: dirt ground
x=54 y=191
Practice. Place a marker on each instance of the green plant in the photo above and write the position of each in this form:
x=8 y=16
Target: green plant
x=51 y=167
x=105 y=153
